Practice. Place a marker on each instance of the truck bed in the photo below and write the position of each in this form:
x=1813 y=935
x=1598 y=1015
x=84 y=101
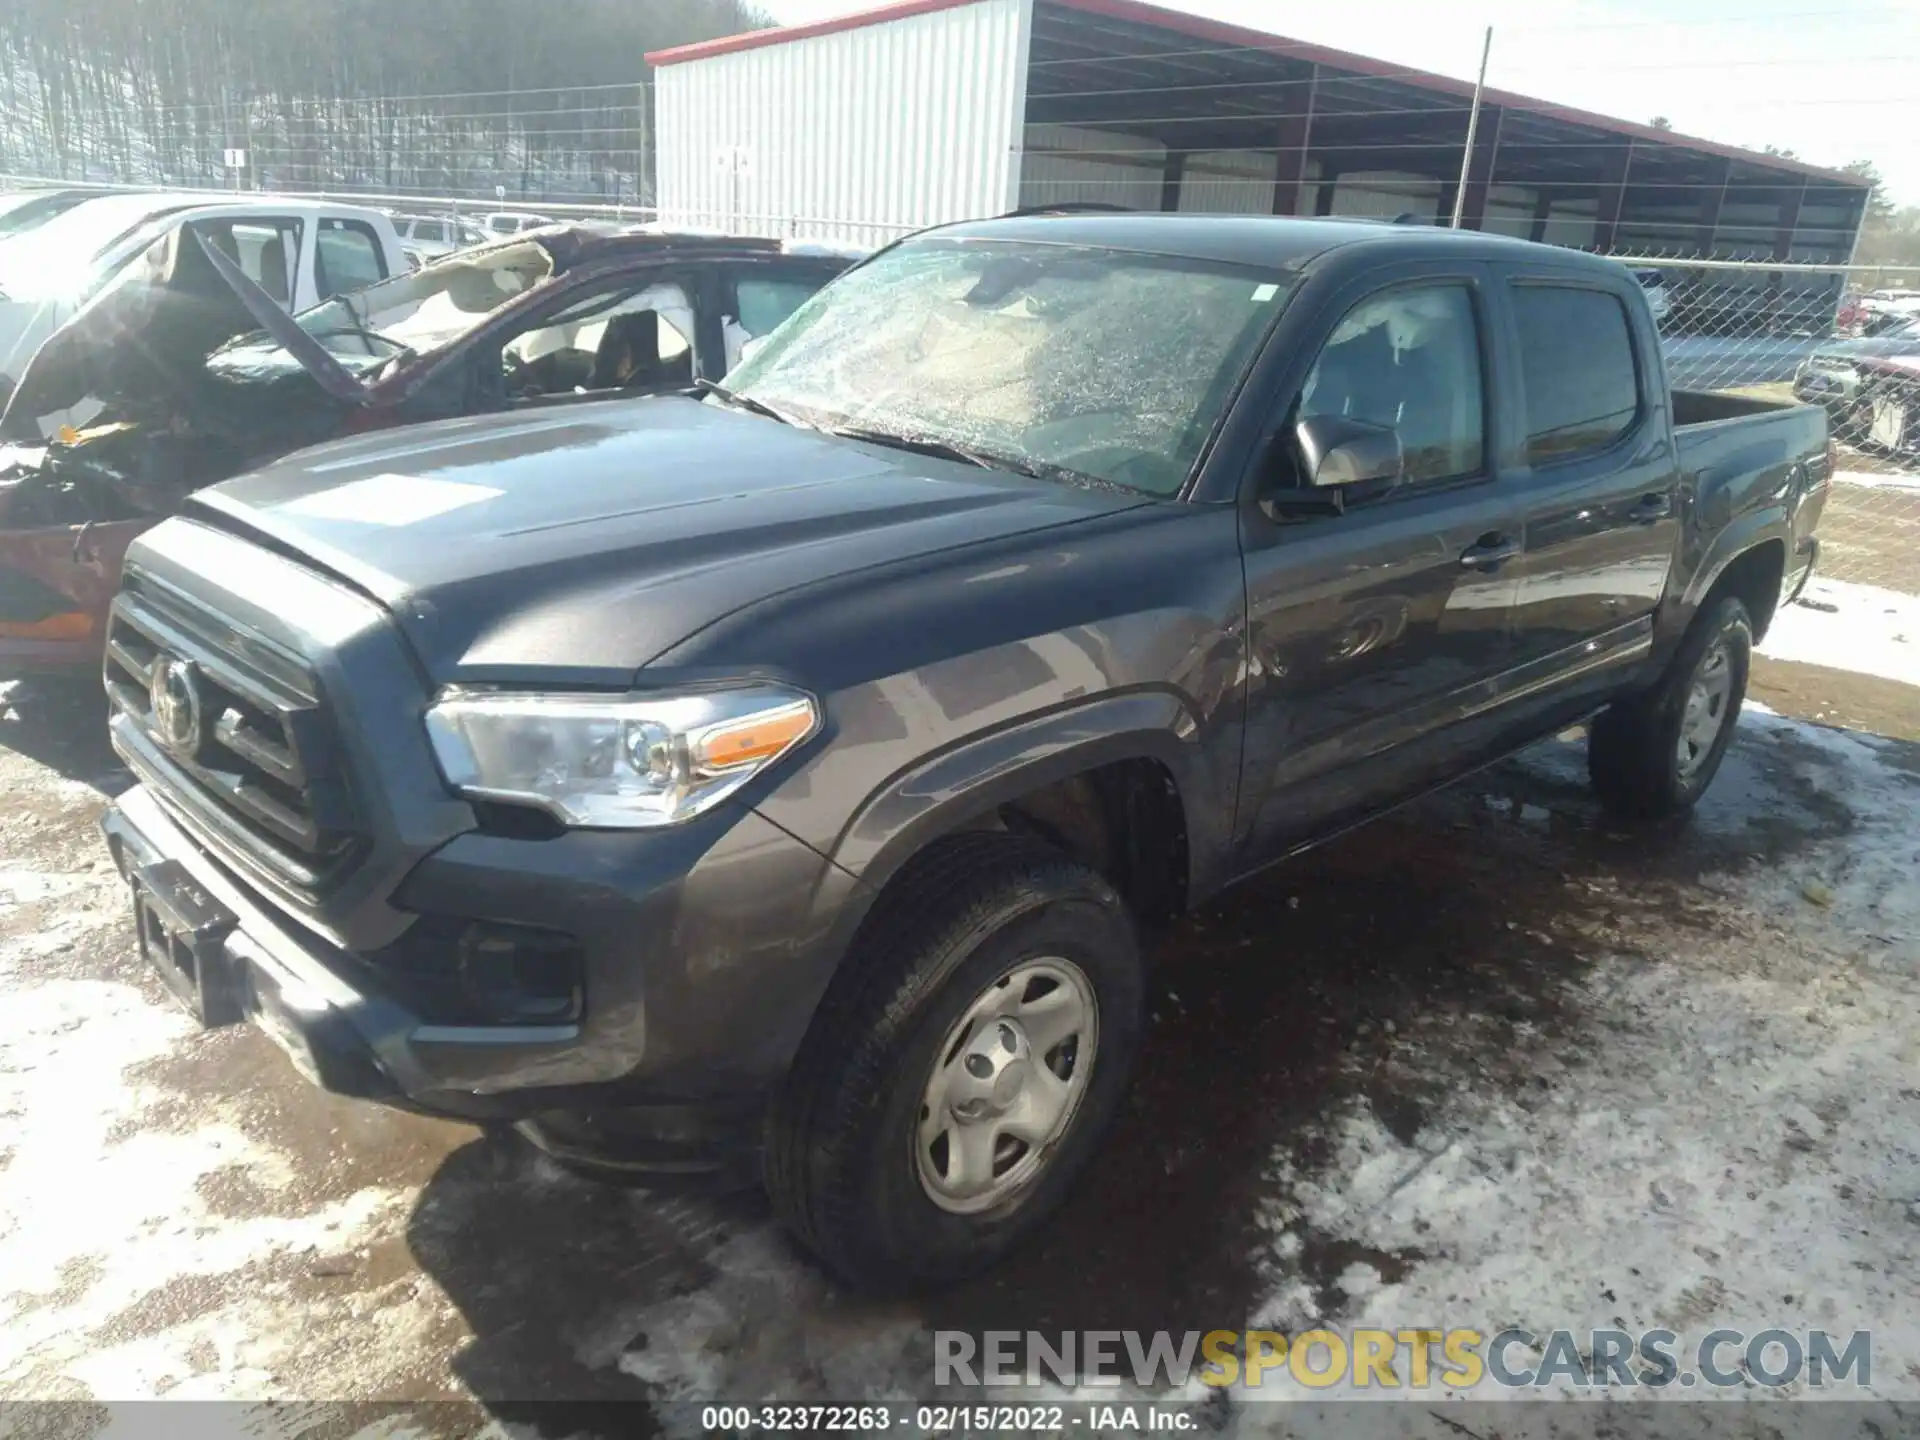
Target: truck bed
x=1744 y=454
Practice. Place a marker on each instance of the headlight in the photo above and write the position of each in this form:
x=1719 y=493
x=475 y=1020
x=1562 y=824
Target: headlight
x=615 y=762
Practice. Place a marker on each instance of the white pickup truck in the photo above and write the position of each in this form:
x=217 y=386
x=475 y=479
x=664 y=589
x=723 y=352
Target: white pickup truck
x=299 y=251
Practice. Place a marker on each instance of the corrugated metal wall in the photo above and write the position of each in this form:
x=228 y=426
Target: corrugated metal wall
x=1383 y=194
x=1068 y=163
x=1229 y=182
x=854 y=136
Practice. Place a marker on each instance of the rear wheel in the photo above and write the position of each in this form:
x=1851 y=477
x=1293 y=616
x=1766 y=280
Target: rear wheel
x=1654 y=755
x=960 y=1074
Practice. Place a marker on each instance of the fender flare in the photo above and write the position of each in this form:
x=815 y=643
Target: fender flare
x=1743 y=534
x=947 y=790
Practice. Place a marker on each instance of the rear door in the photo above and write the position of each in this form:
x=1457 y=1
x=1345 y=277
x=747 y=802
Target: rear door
x=1598 y=478
x=1377 y=636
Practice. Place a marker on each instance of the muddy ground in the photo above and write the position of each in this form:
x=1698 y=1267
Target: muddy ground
x=182 y=1215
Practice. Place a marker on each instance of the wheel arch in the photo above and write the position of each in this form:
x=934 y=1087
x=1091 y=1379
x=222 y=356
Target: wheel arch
x=970 y=782
x=1748 y=559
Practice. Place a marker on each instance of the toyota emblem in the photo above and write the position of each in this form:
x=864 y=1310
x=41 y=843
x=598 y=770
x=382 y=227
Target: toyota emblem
x=174 y=692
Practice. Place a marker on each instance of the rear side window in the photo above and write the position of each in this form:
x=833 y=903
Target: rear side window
x=1576 y=356
x=347 y=257
x=266 y=250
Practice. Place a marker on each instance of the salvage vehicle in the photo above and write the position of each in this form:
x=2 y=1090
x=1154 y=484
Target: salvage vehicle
x=298 y=251
x=428 y=237
x=25 y=210
x=779 y=780
x=513 y=222
x=1890 y=401
x=1831 y=376
x=164 y=385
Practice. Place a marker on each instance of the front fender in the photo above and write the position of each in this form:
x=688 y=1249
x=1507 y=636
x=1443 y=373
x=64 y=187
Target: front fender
x=946 y=791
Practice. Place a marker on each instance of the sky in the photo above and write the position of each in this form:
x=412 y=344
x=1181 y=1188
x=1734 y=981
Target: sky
x=1832 y=82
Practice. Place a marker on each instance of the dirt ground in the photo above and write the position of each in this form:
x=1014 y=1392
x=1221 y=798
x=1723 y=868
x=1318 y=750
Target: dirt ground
x=1613 y=1074
x=1871 y=535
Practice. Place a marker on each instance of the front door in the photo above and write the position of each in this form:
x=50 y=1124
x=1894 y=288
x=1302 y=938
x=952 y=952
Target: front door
x=1375 y=635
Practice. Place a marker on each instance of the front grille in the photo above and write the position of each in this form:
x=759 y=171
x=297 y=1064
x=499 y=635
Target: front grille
x=260 y=780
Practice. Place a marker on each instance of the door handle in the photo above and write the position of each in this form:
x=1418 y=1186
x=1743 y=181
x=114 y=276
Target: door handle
x=1651 y=508
x=1490 y=553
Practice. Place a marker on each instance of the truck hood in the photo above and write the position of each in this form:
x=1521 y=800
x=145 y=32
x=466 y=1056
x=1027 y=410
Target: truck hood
x=575 y=544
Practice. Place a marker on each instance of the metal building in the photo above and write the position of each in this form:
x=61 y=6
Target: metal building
x=860 y=128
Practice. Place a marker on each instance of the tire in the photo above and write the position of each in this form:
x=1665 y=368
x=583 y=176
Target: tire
x=847 y=1161
x=1634 y=753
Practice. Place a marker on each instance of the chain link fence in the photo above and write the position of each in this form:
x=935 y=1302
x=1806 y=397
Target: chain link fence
x=1846 y=338
x=590 y=146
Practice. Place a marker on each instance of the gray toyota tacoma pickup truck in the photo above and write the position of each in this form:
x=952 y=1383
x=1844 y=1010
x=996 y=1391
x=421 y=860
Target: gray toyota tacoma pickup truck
x=781 y=773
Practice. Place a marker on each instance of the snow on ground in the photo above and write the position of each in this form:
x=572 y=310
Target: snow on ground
x=1493 y=1061
x=1878 y=480
x=116 y=1221
x=1845 y=626
x=1737 y=1143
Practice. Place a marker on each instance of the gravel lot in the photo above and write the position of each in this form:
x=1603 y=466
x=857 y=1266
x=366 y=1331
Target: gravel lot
x=1489 y=1061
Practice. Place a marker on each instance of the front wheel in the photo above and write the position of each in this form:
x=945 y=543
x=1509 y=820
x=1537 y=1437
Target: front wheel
x=962 y=1070
x=1653 y=755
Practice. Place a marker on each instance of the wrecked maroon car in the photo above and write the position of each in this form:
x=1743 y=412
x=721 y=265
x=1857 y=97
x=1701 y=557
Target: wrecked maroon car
x=182 y=373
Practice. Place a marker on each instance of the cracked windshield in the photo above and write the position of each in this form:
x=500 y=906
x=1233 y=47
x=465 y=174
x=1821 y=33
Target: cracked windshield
x=1080 y=363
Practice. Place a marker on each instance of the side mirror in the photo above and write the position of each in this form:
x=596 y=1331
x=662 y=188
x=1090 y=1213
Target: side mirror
x=1338 y=451
x=1342 y=461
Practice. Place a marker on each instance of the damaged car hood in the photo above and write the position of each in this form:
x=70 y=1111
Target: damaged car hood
x=183 y=320
x=138 y=334
x=580 y=545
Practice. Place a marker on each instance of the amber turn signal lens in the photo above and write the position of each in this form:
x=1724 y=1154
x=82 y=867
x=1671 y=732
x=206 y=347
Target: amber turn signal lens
x=754 y=739
x=71 y=625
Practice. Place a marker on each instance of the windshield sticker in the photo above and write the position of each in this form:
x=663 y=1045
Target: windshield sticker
x=1264 y=293
x=388 y=500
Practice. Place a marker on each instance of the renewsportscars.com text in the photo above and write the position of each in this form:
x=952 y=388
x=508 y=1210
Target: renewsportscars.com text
x=1417 y=1358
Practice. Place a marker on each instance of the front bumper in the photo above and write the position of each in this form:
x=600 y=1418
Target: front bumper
x=695 y=992
x=291 y=984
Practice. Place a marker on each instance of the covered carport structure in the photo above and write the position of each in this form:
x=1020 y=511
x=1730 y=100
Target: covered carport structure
x=1219 y=117
x=933 y=110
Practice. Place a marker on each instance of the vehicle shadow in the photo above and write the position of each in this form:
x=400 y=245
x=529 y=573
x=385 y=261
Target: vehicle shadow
x=60 y=721
x=1462 y=923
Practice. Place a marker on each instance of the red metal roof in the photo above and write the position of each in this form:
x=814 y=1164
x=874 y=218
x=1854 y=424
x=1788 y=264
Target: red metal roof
x=780 y=35
x=1220 y=32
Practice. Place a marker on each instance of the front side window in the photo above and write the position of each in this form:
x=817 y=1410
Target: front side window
x=1576 y=359
x=1095 y=363
x=634 y=337
x=1409 y=360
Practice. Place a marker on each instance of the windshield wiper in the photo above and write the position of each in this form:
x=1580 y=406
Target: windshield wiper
x=748 y=403
x=969 y=455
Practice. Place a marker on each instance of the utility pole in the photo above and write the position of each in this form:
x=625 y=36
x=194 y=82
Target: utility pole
x=1473 y=129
